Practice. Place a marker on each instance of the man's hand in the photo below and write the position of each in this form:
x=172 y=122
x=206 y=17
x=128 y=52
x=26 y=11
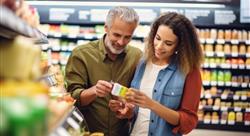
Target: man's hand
x=102 y=88
x=122 y=109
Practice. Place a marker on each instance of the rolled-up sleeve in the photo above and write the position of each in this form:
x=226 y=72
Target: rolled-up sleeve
x=190 y=103
x=75 y=76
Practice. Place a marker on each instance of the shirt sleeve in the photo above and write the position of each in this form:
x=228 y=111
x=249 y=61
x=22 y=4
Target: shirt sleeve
x=190 y=103
x=75 y=76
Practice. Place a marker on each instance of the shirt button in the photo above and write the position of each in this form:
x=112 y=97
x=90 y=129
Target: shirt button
x=159 y=80
x=172 y=93
x=155 y=90
x=152 y=121
x=151 y=133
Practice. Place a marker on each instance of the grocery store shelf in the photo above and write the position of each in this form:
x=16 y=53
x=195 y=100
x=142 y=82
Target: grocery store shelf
x=235 y=127
x=11 y=26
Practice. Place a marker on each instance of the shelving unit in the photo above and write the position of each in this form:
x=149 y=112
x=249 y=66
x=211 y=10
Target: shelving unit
x=11 y=26
x=229 y=91
x=72 y=123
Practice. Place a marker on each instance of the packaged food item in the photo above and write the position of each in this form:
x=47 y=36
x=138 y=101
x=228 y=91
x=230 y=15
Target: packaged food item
x=220 y=34
x=227 y=49
x=242 y=49
x=235 y=34
x=228 y=34
x=244 y=35
x=119 y=90
x=213 y=33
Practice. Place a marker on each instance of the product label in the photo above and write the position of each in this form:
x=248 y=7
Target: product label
x=119 y=90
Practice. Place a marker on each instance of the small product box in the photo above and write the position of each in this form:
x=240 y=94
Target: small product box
x=119 y=90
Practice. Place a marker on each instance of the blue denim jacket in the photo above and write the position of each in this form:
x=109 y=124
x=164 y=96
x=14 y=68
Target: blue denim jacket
x=167 y=90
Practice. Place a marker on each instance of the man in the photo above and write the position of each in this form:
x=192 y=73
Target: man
x=92 y=67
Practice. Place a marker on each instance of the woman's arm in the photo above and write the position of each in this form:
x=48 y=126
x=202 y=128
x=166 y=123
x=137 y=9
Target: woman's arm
x=188 y=108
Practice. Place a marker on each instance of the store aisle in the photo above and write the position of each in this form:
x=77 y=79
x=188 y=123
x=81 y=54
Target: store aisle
x=202 y=132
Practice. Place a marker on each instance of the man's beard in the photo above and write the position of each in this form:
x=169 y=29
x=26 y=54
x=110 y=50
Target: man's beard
x=112 y=49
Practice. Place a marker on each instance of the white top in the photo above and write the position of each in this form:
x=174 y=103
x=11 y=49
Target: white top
x=141 y=125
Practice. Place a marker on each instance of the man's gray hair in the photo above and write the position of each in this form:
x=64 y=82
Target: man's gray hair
x=126 y=14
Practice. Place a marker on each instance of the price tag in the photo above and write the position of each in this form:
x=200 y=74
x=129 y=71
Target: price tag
x=71 y=47
x=220 y=83
x=247 y=109
x=234 y=66
x=216 y=108
x=62 y=132
x=212 y=65
x=73 y=123
x=235 y=41
x=247 y=123
x=54 y=61
x=89 y=36
x=247 y=41
x=77 y=116
x=206 y=121
x=223 y=96
x=235 y=54
x=228 y=83
x=209 y=54
x=56 y=47
x=223 y=108
x=72 y=36
x=57 y=35
x=223 y=121
x=64 y=48
x=237 y=109
x=63 y=62
x=220 y=41
x=235 y=84
x=243 y=97
x=248 y=55
x=215 y=121
x=241 y=66
x=244 y=85
x=45 y=46
x=208 y=96
x=202 y=40
x=220 y=54
x=210 y=41
x=206 y=83
x=213 y=83
x=224 y=65
x=236 y=97
x=205 y=65
x=231 y=122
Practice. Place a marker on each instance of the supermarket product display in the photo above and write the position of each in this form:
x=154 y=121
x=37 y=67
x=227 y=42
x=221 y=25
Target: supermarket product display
x=27 y=106
x=23 y=101
x=225 y=98
x=11 y=26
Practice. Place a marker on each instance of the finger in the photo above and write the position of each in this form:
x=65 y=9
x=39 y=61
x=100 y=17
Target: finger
x=100 y=93
x=105 y=83
x=102 y=87
x=130 y=105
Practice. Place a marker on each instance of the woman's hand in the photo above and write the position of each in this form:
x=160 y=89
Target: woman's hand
x=139 y=98
x=122 y=109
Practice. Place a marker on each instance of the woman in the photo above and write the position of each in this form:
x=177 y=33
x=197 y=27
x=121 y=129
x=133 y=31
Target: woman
x=167 y=83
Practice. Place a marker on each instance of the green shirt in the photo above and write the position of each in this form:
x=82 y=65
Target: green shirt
x=89 y=63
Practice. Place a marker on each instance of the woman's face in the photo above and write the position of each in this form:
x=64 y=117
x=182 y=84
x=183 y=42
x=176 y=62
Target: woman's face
x=165 y=42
